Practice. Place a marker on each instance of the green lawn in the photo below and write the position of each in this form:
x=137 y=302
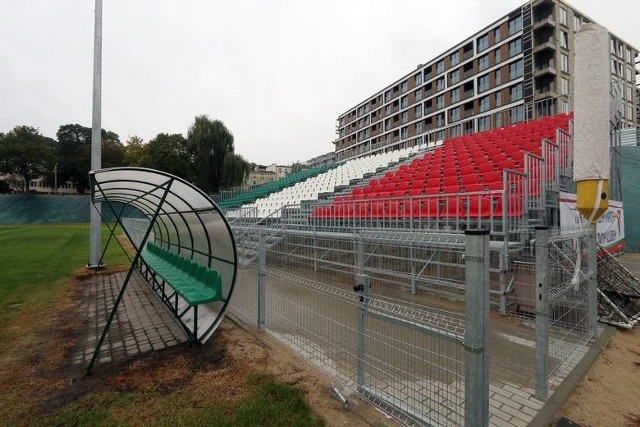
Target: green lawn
x=35 y=258
x=36 y=263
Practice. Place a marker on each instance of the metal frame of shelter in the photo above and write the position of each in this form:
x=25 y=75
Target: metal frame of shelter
x=187 y=226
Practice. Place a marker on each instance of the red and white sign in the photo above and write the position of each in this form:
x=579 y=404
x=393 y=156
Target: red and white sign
x=610 y=227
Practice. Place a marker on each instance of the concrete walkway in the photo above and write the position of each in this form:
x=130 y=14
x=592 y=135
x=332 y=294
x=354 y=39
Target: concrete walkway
x=142 y=323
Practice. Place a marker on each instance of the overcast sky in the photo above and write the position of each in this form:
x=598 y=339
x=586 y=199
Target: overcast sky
x=277 y=73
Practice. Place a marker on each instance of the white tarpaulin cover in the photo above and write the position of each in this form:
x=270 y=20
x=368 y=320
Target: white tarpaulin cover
x=592 y=100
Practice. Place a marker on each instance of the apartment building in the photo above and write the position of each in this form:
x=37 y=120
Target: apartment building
x=516 y=68
x=280 y=170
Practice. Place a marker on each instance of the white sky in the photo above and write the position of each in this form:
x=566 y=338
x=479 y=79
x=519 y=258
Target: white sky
x=277 y=73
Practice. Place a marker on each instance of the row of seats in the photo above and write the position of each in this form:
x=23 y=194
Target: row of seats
x=467 y=164
x=342 y=175
x=194 y=282
x=477 y=206
x=251 y=194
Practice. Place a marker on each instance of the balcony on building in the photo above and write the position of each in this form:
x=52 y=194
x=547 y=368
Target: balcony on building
x=543 y=14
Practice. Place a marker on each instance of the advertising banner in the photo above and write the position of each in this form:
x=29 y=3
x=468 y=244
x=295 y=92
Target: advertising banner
x=610 y=227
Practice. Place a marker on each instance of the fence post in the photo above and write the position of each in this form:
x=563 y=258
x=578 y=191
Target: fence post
x=592 y=283
x=476 y=336
x=542 y=312
x=362 y=288
x=262 y=274
x=412 y=255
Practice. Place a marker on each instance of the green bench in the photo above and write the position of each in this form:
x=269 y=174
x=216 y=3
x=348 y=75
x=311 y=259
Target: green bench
x=194 y=282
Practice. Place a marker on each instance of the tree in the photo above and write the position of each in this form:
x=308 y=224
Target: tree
x=74 y=153
x=134 y=151
x=296 y=167
x=24 y=152
x=235 y=170
x=168 y=153
x=209 y=141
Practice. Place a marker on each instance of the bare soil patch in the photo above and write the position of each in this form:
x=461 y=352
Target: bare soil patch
x=608 y=395
x=39 y=380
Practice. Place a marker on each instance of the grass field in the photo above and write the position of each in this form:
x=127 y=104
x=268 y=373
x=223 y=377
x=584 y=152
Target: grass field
x=38 y=265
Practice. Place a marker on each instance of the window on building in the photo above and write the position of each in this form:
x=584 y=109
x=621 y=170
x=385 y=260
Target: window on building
x=629 y=74
x=419 y=127
x=629 y=112
x=456 y=131
x=628 y=54
x=564 y=16
x=577 y=21
x=483 y=43
x=515 y=93
x=455 y=58
x=516 y=115
x=515 y=25
x=404 y=101
x=454 y=77
x=498 y=119
x=404 y=86
x=440 y=66
x=387 y=109
x=418 y=94
x=564 y=62
x=496 y=35
x=484 y=123
x=498 y=77
x=418 y=79
x=440 y=102
x=564 y=86
x=404 y=117
x=483 y=63
x=483 y=83
x=455 y=95
x=629 y=93
x=498 y=98
x=516 y=69
x=497 y=56
x=387 y=124
x=455 y=114
x=515 y=47
x=440 y=84
x=484 y=104
x=387 y=96
x=440 y=120
x=418 y=110
x=403 y=133
x=564 y=39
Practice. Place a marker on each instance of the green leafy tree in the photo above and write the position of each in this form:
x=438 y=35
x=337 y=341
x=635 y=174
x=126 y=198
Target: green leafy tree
x=134 y=151
x=235 y=170
x=25 y=152
x=74 y=153
x=168 y=153
x=209 y=141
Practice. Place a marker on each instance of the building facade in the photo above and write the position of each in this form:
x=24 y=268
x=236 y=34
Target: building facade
x=280 y=170
x=516 y=68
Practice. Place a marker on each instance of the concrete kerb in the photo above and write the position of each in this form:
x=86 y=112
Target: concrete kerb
x=561 y=395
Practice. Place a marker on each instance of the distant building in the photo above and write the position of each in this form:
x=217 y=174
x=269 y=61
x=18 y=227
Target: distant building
x=321 y=160
x=16 y=185
x=279 y=170
x=259 y=177
x=516 y=68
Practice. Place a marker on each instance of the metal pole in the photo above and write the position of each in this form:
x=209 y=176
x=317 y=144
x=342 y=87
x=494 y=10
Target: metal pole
x=55 y=179
x=542 y=313
x=362 y=288
x=476 y=336
x=96 y=136
x=592 y=283
x=262 y=274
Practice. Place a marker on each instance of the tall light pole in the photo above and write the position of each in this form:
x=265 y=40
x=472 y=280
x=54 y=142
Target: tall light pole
x=96 y=136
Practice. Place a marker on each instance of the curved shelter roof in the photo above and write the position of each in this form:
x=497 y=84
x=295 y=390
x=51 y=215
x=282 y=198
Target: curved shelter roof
x=184 y=221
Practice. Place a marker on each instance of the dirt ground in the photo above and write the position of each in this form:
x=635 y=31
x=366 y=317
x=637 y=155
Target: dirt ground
x=609 y=395
x=39 y=379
